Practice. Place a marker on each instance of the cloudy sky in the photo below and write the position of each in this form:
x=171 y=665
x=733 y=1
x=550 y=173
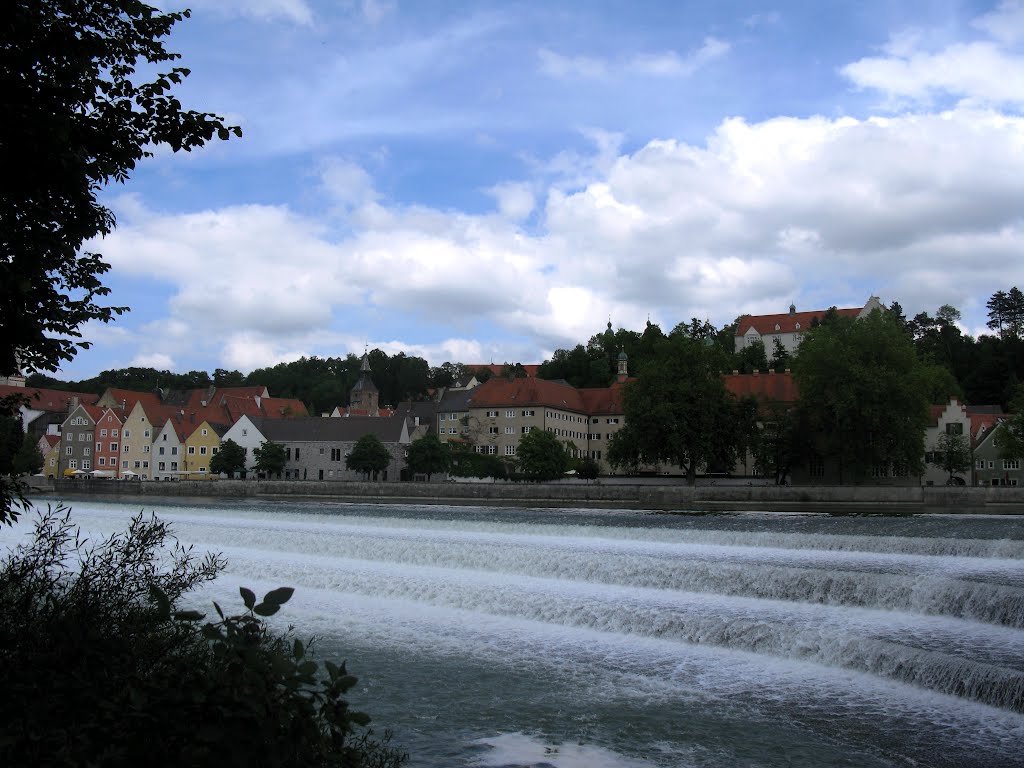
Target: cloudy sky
x=489 y=181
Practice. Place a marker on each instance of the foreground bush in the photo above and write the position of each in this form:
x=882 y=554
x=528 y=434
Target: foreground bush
x=98 y=667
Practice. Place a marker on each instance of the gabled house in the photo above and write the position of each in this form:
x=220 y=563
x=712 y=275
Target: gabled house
x=108 y=436
x=49 y=449
x=201 y=445
x=45 y=409
x=316 y=447
x=77 y=432
x=990 y=468
x=168 y=450
x=789 y=327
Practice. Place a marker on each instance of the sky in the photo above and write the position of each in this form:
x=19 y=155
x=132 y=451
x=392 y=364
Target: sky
x=490 y=181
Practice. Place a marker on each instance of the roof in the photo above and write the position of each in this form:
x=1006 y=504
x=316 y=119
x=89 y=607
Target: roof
x=502 y=392
x=604 y=400
x=765 y=387
x=497 y=368
x=51 y=440
x=53 y=400
x=454 y=400
x=787 y=322
x=324 y=429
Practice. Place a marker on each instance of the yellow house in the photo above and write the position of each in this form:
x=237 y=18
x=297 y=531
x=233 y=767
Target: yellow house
x=137 y=443
x=51 y=461
x=201 y=446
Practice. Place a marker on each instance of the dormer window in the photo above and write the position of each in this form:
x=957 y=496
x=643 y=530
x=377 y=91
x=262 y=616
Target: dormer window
x=778 y=327
x=798 y=326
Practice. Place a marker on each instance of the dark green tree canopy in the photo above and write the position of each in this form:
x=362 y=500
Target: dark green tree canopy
x=229 y=459
x=542 y=456
x=679 y=412
x=369 y=455
x=864 y=393
x=428 y=455
x=270 y=458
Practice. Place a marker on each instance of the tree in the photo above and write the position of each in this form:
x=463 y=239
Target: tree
x=588 y=468
x=751 y=358
x=229 y=459
x=864 y=393
x=1010 y=437
x=428 y=455
x=101 y=666
x=369 y=456
x=953 y=455
x=72 y=106
x=781 y=357
x=678 y=411
x=27 y=460
x=542 y=456
x=466 y=462
x=270 y=458
x=781 y=442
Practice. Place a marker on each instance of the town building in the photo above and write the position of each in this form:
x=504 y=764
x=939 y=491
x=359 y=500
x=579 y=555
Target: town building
x=788 y=328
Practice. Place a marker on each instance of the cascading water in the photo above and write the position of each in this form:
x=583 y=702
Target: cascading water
x=498 y=638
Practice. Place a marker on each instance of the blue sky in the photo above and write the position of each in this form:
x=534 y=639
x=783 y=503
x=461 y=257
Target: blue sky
x=489 y=181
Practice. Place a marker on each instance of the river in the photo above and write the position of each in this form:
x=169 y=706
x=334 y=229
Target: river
x=504 y=637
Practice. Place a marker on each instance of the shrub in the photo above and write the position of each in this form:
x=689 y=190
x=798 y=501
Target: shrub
x=99 y=667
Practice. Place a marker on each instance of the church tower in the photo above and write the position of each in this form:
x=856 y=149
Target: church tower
x=365 y=395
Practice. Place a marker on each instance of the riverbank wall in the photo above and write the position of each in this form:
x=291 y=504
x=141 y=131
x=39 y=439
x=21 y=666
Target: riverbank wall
x=681 y=498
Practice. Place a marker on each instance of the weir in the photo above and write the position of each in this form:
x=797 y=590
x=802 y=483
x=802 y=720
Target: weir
x=828 y=625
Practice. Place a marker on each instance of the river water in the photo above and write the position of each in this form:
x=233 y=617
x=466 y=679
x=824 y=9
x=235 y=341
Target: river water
x=581 y=638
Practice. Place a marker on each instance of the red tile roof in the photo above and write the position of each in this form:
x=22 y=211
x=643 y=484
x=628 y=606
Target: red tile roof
x=501 y=392
x=787 y=322
x=497 y=368
x=765 y=387
x=52 y=400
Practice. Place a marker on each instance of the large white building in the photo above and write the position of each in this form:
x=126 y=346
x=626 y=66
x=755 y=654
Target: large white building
x=789 y=327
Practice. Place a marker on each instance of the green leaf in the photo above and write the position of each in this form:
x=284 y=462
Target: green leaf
x=278 y=596
x=189 y=615
x=266 y=609
x=297 y=649
x=248 y=597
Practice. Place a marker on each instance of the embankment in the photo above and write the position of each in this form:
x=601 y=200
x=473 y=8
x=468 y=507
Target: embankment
x=635 y=496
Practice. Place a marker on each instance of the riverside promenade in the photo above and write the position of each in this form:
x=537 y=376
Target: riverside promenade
x=618 y=495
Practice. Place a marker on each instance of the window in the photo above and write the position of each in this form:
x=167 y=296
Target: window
x=145 y=449
x=162 y=466
x=214 y=452
x=81 y=437
x=138 y=465
x=161 y=451
x=492 y=414
x=816 y=468
x=99 y=447
x=900 y=469
x=526 y=430
x=113 y=433
x=979 y=464
x=87 y=451
x=202 y=450
x=1011 y=463
x=103 y=433
x=490 y=431
x=202 y=470
x=191 y=450
x=954 y=428
x=70 y=450
x=528 y=413
x=73 y=464
x=125 y=447
x=510 y=450
x=205 y=432
x=124 y=465
x=510 y=414
x=68 y=436
x=991 y=464
x=321 y=453
x=174 y=450
x=880 y=469
x=144 y=434
x=126 y=433
x=103 y=461
x=113 y=447
x=245 y=432
x=453 y=430
x=296 y=453
x=145 y=465
x=614 y=420
x=510 y=430
x=164 y=436
x=174 y=466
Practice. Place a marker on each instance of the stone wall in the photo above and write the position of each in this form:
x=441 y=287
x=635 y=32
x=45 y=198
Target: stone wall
x=641 y=495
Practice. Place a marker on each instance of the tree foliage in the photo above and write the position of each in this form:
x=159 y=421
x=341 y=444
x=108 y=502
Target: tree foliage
x=229 y=459
x=102 y=667
x=953 y=455
x=679 y=412
x=270 y=458
x=542 y=457
x=466 y=462
x=369 y=456
x=428 y=455
x=75 y=104
x=864 y=393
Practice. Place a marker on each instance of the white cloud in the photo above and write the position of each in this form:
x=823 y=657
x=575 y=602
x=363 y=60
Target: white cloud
x=922 y=209
x=671 y=64
x=346 y=182
x=561 y=67
x=156 y=360
x=1006 y=23
x=375 y=11
x=295 y=11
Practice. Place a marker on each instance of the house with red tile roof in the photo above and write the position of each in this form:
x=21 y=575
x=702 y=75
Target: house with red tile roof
x=77 y=441
x=789 y=327
x=45 y=409
x=976 y=423
x=497 y=369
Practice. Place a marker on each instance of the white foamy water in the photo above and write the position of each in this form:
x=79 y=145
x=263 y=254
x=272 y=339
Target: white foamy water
x=509 y=638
